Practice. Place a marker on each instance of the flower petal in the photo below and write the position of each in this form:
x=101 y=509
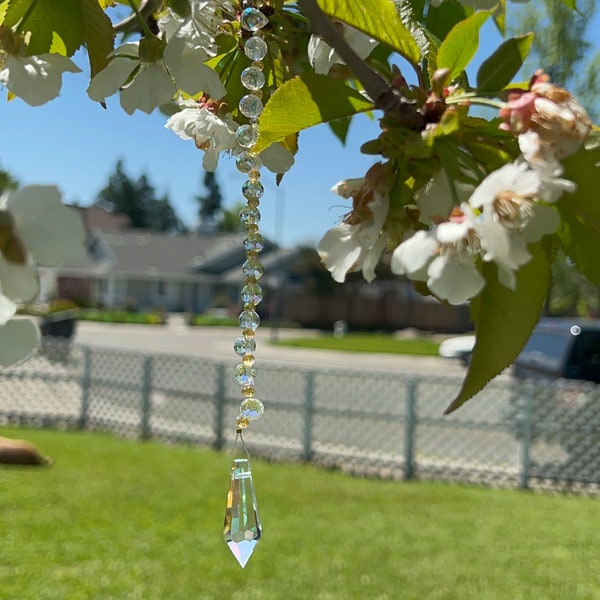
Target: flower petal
x=340 y=250
x=453 y=279
x=151 y=87
x=19 y=338
x=108 y=81
x=52 y=232
x=19 y=283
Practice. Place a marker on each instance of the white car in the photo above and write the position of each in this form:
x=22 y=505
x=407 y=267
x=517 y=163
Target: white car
x=458 y=347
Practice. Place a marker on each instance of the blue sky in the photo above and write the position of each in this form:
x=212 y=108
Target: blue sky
x=75 y=143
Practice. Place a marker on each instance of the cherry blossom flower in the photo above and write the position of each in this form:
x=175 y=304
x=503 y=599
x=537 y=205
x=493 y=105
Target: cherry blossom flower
x=215 y=133
x=35 y=229
x=322 y=56
x=146 y=84
x=550 y=112
x=443 y=257
x=511 y=217
x=200 y=27
x=357 y=243
x=35 y=79
x=435 y=200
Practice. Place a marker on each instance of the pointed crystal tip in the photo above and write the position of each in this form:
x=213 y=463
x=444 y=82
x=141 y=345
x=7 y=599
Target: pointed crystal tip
x=242 y=550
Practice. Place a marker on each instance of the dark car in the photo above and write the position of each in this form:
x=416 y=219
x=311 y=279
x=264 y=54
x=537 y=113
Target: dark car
x=561 y=348
x=561 y=362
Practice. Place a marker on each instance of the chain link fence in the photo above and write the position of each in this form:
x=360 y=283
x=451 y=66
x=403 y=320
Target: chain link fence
x=518 y=434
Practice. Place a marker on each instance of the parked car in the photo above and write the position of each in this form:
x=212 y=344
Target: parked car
x=561 y=360
x=460 y=347
x=565 y=348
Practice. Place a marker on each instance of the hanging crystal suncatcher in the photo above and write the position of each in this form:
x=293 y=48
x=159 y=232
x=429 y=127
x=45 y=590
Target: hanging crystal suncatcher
x=242 y=529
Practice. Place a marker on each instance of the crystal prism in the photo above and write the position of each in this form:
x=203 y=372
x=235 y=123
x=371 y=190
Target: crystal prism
x=255 y=48
x=251 y=106
x=252 y=19
x=242 y=528
x=246 y=135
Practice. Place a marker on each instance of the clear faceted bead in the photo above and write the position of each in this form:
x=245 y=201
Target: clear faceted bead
x=246 y=135
x=242 y=529
x=245 y=375
x=247 y=162
x=252 y=409
x=243 y=345
x=249 y=319
x=251 y=106
x=252 y=293
x=253 y=20
x=249 y=215
x=254 y=241
x=252 y=78
x=252 y=267
x=252 y=189
x=255 y=48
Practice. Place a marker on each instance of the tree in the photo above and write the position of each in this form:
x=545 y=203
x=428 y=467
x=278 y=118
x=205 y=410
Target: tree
x=229 y=220
x=7 y=182
x=563 y=42
x=138 y=200
x=210 y=203
x=470 y=207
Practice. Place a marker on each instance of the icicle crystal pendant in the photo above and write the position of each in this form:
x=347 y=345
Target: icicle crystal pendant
x=242 y=528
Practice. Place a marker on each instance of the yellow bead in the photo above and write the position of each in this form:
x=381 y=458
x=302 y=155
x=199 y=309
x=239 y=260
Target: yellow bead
x=248 y=332
x=248 y=392
x=248 y=359
x=242 y=422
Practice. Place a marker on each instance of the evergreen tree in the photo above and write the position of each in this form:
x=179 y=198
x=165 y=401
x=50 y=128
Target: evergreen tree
x=7 y=182
x=210 y=203
x=138 y=200
x=229 y=221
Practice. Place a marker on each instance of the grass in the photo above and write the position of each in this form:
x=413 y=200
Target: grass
x=119 y=519
x=367 y=342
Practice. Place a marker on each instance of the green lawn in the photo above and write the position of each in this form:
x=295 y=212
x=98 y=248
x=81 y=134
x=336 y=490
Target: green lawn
x=122 y=519
x=367 y=342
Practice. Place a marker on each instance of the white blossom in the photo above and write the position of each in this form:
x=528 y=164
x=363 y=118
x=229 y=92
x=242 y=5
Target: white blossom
x=443 y=257
x=511 y=217
x=35 y=79
x=200 y=27
x=147 y=84
x=215 y=134
x=322 y=56
x=435 y=199
x=18 y=340
x=357 y=244
x=211 y=133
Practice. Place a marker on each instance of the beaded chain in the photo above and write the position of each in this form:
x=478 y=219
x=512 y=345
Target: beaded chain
x=242 y=528
x=251 y=106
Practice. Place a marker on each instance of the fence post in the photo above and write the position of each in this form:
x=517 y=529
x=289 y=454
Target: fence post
x=146 y=397
x=219 y=407
x=309 y=384
x=410 y=422
x=525 y=426
x=86 y=384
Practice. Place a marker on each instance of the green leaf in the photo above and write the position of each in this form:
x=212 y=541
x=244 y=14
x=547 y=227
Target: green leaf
x=340 y=128
x=581 y=242
x=306 y=101
x=504 y=320
x=572 y=4
x=98 y=34
x=582 y=168
x=461 y=44
x=63 y=26
x=498 y=70
x=378 y=19
x=441 y=19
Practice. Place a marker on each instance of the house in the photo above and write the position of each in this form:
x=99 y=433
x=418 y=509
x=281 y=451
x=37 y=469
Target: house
x=143 y=269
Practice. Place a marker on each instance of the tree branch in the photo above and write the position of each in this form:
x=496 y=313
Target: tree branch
x=130 y=23
x=379 y=90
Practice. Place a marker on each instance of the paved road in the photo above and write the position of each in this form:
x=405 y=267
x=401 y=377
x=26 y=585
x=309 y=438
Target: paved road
x=216 y=343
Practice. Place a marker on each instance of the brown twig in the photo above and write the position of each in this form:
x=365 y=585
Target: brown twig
x=130 y=23
x=384 y=97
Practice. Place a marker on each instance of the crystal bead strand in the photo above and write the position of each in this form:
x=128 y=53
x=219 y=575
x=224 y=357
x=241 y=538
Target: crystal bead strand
x=242 y=529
